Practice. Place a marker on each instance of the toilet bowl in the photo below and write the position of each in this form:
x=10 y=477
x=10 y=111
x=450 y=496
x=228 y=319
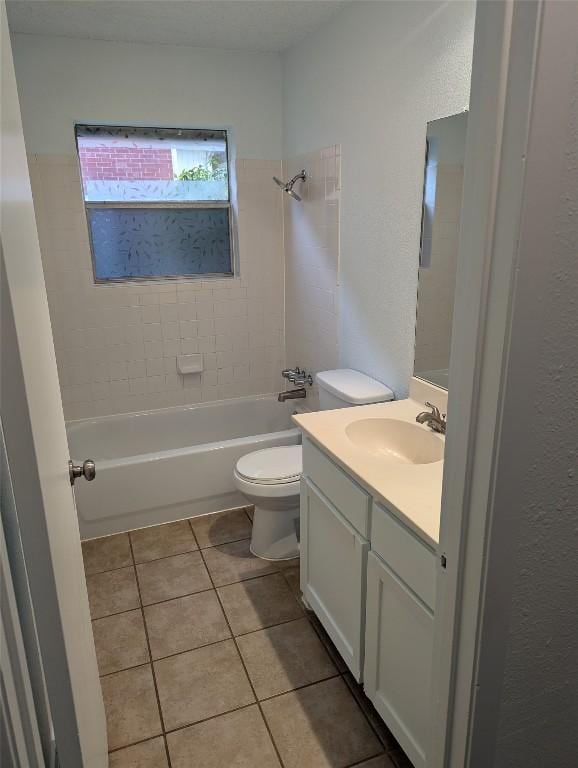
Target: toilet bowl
x=270 y=478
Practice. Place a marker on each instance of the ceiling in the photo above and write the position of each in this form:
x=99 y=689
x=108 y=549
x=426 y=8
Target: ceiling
x=249 y=25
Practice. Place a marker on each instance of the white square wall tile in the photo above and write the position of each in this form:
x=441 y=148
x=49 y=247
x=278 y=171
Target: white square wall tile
x=169 y=313
x=155 y=367
x=150 y=314
x=136 y=369
x=171 y=348
x=186 y=311
x=153 y=349
x=152 y=332
x=108 y=331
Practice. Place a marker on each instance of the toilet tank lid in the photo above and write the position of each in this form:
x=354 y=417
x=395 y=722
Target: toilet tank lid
x=354 y=387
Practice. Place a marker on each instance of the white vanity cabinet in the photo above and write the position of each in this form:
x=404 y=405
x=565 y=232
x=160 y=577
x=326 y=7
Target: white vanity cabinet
x=371 y=582
x=334 y=553
x=333 y=569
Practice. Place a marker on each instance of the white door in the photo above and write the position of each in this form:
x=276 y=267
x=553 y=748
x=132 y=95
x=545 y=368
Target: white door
x=31 y=412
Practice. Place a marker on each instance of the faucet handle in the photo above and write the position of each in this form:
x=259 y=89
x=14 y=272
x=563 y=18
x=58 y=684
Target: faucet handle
x=435 y=410
x=291 y=373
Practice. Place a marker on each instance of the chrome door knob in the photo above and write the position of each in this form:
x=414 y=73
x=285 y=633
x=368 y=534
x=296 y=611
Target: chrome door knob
x=86 y=470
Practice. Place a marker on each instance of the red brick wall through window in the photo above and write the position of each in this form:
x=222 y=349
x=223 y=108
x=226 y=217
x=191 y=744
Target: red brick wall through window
x=120 y=163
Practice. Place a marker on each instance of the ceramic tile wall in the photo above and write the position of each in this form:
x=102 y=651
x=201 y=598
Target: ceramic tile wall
x=312 y=263
x=116 y=345
x=437 y=282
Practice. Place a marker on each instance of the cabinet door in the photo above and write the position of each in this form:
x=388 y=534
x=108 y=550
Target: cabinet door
x=333 y=566
x=398 y=658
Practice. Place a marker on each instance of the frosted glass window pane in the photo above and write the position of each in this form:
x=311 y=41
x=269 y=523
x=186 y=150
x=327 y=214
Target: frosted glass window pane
x=157 y=242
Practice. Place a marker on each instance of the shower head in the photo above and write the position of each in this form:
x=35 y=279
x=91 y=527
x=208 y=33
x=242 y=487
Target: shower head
x=293 y=194
x=288 y=186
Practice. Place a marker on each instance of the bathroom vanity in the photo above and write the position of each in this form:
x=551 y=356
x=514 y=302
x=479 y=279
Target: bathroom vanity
x=370 y=505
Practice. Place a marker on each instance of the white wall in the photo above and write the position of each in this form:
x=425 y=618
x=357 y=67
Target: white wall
x=311 y=236
x=62 y=81
x=370 y=80
x=117 y=345
x=532 y=562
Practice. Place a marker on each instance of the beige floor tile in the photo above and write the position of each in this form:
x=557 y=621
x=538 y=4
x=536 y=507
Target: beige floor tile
x=149 y=754
x=383 y=733
x=284 y=657
x=185 y=623
x=236 y=740
x=259 y=603
x=172 y=577
x=382 y=761
x=162 y=541
x=234 y=562
x=106 y=553
x=328 y=643
x=320 y=726
x=221 y=527
x=112 y=592
x=131 y=708
x=202 y=683
x=120 y=642
x=292 y=575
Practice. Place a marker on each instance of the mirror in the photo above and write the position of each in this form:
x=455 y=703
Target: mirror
x=442 y=203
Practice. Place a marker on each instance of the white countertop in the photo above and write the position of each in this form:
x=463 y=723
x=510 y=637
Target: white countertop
x=411 y=491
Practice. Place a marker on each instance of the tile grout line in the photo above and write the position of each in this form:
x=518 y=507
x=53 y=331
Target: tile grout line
x=341 y=674
x=361 y=763
x=170 y=522
x=207 y=645
x=305 y=614
x=282 y=764
x=189 y=520
x=187 y=594
x=161 y=717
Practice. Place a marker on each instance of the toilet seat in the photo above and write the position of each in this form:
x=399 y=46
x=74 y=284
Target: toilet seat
x=271 y=466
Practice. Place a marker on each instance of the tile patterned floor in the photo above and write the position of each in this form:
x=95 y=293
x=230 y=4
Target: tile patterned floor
x=207 y=657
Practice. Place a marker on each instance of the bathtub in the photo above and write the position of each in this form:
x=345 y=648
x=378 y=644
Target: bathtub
x=159 y=466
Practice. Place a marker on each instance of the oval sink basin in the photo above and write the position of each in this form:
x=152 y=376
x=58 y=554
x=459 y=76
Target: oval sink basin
x=398 y=442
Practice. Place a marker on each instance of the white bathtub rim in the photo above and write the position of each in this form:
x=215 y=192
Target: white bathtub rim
x=71 y=423
x=217 y=445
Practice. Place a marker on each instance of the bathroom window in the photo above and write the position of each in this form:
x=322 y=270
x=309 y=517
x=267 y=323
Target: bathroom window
x=158 y=201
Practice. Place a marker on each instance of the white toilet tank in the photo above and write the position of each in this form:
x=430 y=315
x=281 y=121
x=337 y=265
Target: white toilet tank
x=345 y=387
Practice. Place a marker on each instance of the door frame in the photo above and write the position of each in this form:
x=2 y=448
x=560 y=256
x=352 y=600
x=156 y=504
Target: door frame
x=472 y=609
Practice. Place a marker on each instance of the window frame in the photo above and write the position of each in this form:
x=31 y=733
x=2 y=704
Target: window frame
x=181 y=204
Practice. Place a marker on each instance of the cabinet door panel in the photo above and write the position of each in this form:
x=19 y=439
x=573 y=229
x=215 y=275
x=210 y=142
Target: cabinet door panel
x=337 y=487
x=398 y=658
x=333 y=564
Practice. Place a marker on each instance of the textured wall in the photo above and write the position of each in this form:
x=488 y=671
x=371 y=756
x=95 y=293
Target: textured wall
x=62 y=81
x=370 y=80
x=537 y=487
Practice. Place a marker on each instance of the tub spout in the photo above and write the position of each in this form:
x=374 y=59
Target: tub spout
x=292 y=394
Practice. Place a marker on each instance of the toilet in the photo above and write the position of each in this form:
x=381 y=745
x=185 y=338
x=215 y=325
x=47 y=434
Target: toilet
x=270 y=478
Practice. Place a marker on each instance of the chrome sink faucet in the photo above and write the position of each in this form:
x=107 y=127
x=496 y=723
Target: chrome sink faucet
x=434 y=419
